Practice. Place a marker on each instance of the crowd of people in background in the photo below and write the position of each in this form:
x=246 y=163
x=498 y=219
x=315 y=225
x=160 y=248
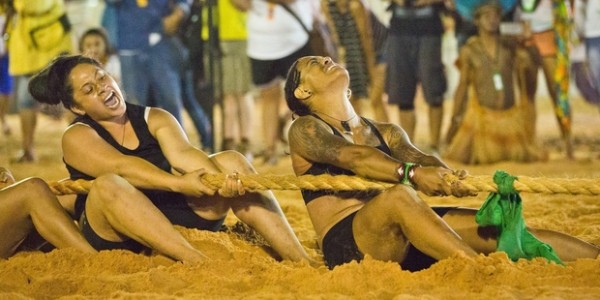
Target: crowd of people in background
x=393 y=50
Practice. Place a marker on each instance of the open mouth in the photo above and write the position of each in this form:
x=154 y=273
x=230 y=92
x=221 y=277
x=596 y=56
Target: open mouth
x=111 y=100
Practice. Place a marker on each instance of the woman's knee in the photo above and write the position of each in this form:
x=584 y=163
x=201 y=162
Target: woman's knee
x=110 y=187
x=35 y=188
x=399 y=194
x=394 y=202
x=27 y=194
x=232 y=161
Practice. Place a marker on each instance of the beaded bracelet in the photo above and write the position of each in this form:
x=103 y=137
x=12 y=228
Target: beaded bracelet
x=406 y=173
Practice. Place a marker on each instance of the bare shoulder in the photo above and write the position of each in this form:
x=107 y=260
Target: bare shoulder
x=77 y=131
x=313 y=140
x=307 y=128
x=158 y=114
x=159 y=118
x=79 y=136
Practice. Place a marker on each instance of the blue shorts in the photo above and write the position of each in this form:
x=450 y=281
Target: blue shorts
x=6 y=81
x=339 y=246
x=412 y=60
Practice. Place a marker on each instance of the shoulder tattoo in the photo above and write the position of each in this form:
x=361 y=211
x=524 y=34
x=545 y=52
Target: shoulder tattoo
x=313 y=141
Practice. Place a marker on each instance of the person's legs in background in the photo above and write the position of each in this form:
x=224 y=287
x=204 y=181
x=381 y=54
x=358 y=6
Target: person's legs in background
x=238 y=105
x=271 y=96
x=267 y=76
x=245 y=109
x=4 y=105
x=166 y=78
x=377 y=93
x=593 y=56
x=134 y=76
x=28 y=110
x=401 y=81
x=181 y=61
x=433 y=80
x=545 y=54
x=6 y=89
x=202 y=122
x=527 y=69
x=549 y=65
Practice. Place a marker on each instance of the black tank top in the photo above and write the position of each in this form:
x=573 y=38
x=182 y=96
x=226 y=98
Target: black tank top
x=148 y=149
x=323 y=168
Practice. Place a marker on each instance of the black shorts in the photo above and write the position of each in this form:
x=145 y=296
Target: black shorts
x=172 y=205
x=339 y=246
x=265 y=71
x=412 y=60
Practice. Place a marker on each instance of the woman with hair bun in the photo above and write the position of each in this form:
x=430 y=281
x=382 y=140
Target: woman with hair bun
x=395 y=224
x=147 y=175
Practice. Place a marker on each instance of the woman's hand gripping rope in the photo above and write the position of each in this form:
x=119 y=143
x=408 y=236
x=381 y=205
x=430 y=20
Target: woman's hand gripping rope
x=232 y=186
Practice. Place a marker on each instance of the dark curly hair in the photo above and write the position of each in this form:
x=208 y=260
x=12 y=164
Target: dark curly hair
x=52 y=85
x=291 y=83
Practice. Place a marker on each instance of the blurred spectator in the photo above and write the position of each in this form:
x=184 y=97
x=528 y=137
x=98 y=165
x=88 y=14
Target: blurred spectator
x=154 y=63
x=236 y=79
x=488 y=125
x=94 y=42
x=6 y=81
x=40 y=30
x=351 y=25
x=275 y=40
x=542 y=53
x=586 y=69
x=414 y=57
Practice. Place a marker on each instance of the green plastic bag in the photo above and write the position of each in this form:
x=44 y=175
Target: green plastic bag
x=504 y=210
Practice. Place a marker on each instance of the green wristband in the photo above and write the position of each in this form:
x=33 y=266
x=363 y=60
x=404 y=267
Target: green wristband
x=409 y=173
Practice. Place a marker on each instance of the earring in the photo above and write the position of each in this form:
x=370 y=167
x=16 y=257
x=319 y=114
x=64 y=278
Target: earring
x=349 y=93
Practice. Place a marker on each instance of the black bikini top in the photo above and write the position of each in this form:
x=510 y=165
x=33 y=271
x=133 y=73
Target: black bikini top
x=323 y=168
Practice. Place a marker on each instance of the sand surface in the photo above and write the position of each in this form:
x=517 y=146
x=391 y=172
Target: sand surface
x=240 y=267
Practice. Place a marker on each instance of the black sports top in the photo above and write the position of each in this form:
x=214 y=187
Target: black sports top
x=148 y=149
x=323 y=168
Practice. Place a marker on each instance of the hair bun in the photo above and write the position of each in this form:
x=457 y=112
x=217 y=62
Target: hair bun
x=41 y=87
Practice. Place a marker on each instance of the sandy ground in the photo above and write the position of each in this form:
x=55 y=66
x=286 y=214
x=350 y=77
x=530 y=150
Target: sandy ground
x=240 y=267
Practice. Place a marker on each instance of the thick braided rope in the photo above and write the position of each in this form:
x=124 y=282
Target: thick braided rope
x=255 y=182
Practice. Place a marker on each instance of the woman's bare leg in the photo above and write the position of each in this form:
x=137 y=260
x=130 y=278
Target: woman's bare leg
x=549 y=65
x=4 y=105
x=386 y=225
x=261 y=211
x=28 y=125
x=483 y=240
x=116 y=211
x=231 y=125
x=30 y=204
x=377 y=94
x=271 y=98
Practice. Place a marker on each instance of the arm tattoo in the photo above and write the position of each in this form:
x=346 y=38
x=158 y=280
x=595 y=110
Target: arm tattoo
x=401 y=147
x=314 y=141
